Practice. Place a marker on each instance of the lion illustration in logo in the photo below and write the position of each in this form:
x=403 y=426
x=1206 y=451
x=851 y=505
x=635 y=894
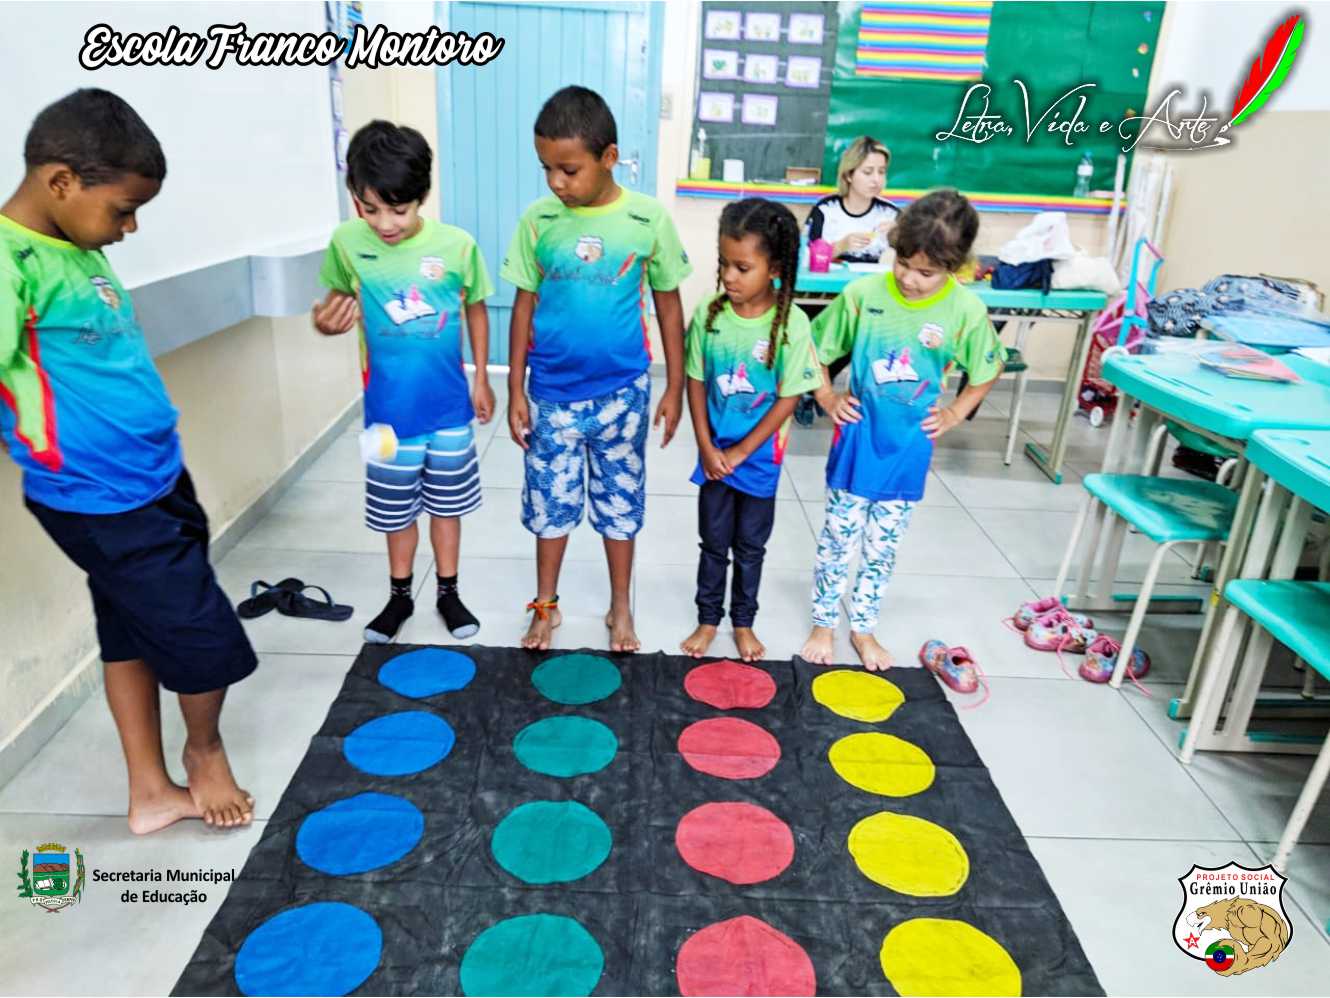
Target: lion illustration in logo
x=1259 y=932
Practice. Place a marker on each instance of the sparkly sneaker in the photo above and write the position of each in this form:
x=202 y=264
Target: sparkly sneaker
x=1059 y=630
x=1034 y=609
x=955 y=667
x=1101 y=658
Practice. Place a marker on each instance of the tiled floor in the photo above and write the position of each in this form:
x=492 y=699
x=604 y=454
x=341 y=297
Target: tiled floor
x=1090 y=774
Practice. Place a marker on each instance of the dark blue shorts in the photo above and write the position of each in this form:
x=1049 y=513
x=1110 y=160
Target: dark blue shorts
x=153 y=590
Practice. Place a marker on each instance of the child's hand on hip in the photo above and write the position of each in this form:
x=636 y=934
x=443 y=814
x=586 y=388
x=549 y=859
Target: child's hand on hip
x=843 y=408
x=519 y=420
x=336 y=314
x=668 y=411
x=939 y=421
x=715 y=465
x=482 y=399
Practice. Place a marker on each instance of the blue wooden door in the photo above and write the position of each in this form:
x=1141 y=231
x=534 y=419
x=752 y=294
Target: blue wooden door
x=488 y=170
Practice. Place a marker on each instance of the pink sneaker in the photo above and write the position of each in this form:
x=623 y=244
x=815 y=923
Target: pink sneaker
x=1101 y=658
x=1059 y=630
x=955 y=667
x=1034 y=609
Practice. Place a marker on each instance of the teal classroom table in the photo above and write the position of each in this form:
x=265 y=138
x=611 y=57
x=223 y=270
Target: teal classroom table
x=1026 y=304
x=1226 y=410
x=1297 y=465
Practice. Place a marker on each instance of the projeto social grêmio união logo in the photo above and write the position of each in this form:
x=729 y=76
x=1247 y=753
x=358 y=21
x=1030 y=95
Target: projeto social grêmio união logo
x=1232 y=917
x=1167 y=128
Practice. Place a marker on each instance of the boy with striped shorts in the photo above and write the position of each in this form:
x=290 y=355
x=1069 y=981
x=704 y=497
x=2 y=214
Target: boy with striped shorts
x=408 y=279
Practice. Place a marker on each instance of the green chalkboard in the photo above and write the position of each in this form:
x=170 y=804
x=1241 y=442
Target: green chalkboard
x=799 y=134
x=1051 y=47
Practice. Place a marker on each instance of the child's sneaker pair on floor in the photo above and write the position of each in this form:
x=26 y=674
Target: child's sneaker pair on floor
x=1050 y=626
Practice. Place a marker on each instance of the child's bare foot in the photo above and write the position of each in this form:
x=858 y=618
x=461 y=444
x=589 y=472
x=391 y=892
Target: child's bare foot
x=873 y=655
x=153 y=812
x=623 y=636
x=219 y=800
x=819 y=648
x=697 y=643
x=541 y=632
x=750 y=649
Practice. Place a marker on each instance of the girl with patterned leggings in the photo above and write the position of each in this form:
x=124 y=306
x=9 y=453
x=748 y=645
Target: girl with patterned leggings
x=903 y=331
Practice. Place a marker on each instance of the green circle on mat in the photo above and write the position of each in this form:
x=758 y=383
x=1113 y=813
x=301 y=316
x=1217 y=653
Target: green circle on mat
x=577 y=679
x=565 y=746
x=533 y=955
x=551 y=842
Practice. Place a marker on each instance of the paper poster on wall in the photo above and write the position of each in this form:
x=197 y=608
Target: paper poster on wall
x=759 y=109
x=761 y=68
x=720 y=64
x=715 y=107
x=761 y=27
x=806 y=29
x=723 y=25
x=803 y=71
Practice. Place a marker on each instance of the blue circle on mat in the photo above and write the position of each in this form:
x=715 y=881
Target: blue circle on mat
x=359 y=833
x=427 y=671
x=398 y=744
x=326 y=948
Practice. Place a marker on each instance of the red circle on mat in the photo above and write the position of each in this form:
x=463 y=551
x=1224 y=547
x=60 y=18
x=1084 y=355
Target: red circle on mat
x=738 y=843
x=729 y=747
x=744 y=956
x=726 y=685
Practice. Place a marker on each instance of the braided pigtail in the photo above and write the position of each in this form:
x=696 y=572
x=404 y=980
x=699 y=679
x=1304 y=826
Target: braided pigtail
x=783 y=241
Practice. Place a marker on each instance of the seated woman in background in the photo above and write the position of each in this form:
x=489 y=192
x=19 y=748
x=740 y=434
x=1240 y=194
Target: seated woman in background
x=855 y=220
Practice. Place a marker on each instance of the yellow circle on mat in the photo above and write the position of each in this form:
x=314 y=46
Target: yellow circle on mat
x=909 y=855
x=881 y=764
x=929 y=957
x=857 y=695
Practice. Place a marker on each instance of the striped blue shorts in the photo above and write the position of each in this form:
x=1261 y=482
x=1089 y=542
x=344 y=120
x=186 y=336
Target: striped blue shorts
x=438 y=473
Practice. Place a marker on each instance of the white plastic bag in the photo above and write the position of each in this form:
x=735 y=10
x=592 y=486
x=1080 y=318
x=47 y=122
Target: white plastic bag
x=1085 y=271
x=1045 y=238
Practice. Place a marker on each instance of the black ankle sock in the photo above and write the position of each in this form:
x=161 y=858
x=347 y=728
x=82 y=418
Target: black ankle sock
x=460 y=621
x=400 y=587
x=385 y=626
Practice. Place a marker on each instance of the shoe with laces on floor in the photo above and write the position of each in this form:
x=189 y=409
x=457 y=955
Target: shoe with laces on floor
x=1059 y=630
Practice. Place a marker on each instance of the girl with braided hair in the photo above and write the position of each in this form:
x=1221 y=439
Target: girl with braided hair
x=749 y=358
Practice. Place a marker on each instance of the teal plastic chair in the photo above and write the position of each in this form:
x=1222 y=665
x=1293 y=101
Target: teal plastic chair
x=1297 y=615
x=1169 y=511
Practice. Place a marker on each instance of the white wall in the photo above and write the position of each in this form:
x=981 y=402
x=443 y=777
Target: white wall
x=1209 y=48
x=247 y=148
x=1262 y=204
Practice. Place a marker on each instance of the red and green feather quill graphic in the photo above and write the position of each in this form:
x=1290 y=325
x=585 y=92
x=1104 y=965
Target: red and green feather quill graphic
x=1268 y=72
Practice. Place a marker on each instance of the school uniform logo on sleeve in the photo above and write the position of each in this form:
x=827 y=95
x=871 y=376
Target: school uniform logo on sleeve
x=107 y=293
x=431 y=267
x=590 y=248
x=931 y=335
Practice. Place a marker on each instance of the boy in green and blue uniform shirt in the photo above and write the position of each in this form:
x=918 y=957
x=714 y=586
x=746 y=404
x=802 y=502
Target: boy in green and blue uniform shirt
x=583 y=262
x=409 y=279
x=85 y=415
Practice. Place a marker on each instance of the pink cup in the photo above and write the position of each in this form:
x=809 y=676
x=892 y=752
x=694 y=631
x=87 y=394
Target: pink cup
x=819 y=256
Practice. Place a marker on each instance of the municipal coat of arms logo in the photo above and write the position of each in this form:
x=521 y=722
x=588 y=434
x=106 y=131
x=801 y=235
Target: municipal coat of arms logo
x=1233 y=917
x=48 y=879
